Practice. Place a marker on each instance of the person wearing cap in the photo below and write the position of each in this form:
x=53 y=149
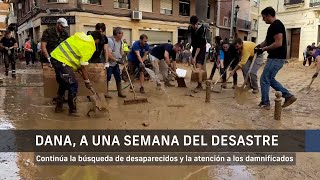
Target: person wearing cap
x=52 y=37
x=71 y=55
x=8 y=43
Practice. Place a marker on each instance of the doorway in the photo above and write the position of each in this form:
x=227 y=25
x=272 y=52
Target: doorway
x=295 y=42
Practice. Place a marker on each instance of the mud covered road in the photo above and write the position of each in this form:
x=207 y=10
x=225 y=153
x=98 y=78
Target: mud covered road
x=22 y=106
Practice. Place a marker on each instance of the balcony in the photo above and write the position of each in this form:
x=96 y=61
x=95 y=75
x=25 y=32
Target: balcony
x=243 y=24
x=314 y=3
x=292 y=2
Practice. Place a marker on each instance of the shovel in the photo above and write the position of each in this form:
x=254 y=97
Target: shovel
x=98 y=102
x=218 y=89
x=241 y=92
x=308 y=88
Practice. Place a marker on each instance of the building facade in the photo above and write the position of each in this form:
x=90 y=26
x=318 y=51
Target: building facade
x=301 y=19
x=161 y=20
x=4 y=11
x=254 y=12
x=228 y=16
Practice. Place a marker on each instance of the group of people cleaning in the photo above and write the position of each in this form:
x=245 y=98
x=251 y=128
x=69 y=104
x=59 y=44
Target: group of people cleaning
x=70 y=54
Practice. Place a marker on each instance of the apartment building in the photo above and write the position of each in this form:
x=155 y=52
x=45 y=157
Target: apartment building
x=226 y=13
x=4 y=11
x=254 y=12
x=161 y=20
x=301 y=19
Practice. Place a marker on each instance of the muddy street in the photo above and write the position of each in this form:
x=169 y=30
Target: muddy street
x=22 y=106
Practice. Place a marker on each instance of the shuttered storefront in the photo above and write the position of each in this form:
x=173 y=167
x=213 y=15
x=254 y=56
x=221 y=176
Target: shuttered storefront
x=157 y=37
x=127 y=35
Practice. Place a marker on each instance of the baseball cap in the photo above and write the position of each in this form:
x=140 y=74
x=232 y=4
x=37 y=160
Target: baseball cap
x=63 y=22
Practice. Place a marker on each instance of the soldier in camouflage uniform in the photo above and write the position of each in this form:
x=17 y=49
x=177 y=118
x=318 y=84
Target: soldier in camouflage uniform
x=52 y=37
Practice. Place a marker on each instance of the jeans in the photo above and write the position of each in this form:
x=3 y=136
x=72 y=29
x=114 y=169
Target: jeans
x=115 y=70
x=160 y=67
x=29 y=57
x=67 y=81
x=268 y=79
x=253 y=77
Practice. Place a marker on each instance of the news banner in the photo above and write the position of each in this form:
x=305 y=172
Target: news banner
x=161 y=147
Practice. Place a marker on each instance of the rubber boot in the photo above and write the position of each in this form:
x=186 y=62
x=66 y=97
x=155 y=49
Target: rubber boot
x=235 y=84
x=119 y=88
x=107 y=94
x=14 y=74
x=59 y=104
x=72 y=102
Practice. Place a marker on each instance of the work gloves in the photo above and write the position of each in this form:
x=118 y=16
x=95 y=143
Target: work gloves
x=258 y=50
x=315 y=75
x=141 y=65
x=119 y=61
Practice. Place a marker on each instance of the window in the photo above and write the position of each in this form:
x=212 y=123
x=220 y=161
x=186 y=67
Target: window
x=145 y=5
x=166 y=7
x=314 y=3
x=121 y=4
x=245 y=38
x=290 y=2
x=184 y=7
x=225 y=21
x=64 y=1
x=91 y=1
x=255 y=24
x=208 y=12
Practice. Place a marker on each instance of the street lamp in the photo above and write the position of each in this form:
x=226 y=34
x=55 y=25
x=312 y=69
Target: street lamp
x=236 y=15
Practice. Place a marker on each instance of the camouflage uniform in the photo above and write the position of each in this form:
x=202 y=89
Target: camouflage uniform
x=53 y=39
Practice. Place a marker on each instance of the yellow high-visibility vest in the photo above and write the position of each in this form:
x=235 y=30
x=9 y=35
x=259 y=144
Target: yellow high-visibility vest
x=125 y=47
x=75 y=51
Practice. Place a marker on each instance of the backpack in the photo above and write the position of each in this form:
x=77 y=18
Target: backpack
x=206 y=34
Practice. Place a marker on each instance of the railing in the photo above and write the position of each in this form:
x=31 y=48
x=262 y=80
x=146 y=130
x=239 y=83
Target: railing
x=243 y=24
x=291 y=2
x=314 y=3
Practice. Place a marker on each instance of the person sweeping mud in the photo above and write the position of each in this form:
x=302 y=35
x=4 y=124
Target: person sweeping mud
x=160 y=58
x=230 y=55
x=247 y=52
x=198 y=43
x=73 y=55
x=115 y=54
x=275 y=45
x=136 y=58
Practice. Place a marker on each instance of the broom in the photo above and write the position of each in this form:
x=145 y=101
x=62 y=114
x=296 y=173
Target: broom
x=135 y=100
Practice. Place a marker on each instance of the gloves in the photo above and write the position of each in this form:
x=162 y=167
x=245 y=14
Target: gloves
x=141 y=65
x=315 y=75
x=119 y=61
x=106 y=65
x=258 y=50
x=6 y=48
x=87 y=83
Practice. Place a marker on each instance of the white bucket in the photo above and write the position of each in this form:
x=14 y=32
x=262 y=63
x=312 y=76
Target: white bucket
x=181 y=73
